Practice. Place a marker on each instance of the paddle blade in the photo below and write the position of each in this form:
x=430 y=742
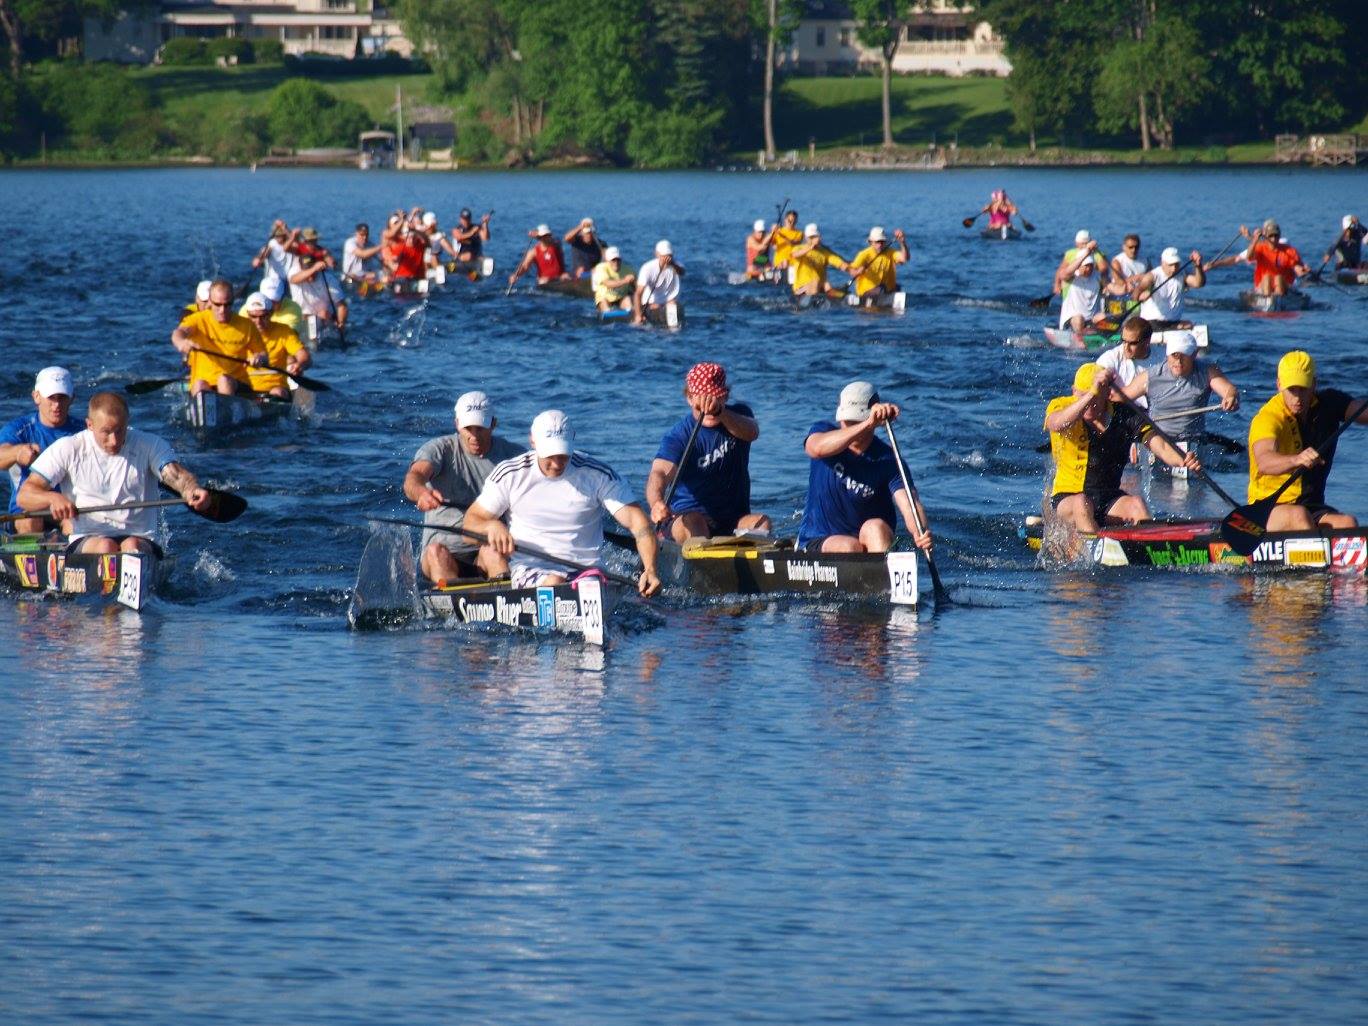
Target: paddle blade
x=312 y=384
x=1041 y=303
x=154 y=385
x=224 y=507
x=1244 y=527
x=386 y=592
x=1027 y=225
x=968 y=222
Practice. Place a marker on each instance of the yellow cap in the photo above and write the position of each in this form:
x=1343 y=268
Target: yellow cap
x=1084 y=377
x=1297 y=368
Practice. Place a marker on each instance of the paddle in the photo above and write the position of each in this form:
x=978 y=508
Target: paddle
x=1025 y=223
x=1144 y=416
x=224 y=507
x=327 y=291
x=528 y=550
x=312 y=384
x=968 y=222
x=679 y=467
x=1244 y=527
x=942 y=596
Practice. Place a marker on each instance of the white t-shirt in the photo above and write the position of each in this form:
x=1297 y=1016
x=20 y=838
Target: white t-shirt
x=352 y=265
x=89 y=476
x=1166 y=299
x=279 y=264
x=560 y=515
x=661 y=284
x=312 y=295
x=1131 y=267
x=1125 y=369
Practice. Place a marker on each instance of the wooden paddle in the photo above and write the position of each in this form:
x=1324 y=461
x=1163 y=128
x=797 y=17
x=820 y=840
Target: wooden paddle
x=942 y=596
x=1244 y=527
x=224 y=507
x=529 y=550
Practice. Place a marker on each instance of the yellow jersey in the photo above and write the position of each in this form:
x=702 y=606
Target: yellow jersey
x=237 y=338
x=784 y=240
x=1088 y=461
x=876 y=269
x=281 y=343
x=812 y=267
x=603 y=274
x=1274 y=421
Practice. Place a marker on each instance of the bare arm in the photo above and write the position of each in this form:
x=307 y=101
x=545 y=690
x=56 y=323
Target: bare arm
x=922 y=539
x=656 y=483
x=1139 y=386
x=822 y=444
x=1158 y=445
x=632 y=518
x=1224 y=387
x=38 y=496
x=1267 y=459
x=417 y=489
x=1197 y=276
x=747 y=429
x=22 y=453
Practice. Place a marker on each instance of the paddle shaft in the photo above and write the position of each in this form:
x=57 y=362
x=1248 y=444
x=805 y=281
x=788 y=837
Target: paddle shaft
x=327 y=291
x=9 y=518
x=223 y=508
x=679 y=468
x=937 y=587
x=309 y=383
x=1190 y=413
x=528 y=550
x=1202 y=473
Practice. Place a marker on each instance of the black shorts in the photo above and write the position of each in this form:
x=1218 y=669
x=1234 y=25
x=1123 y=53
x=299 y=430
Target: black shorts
x=1101 y=501
x=717 y=528
x=1318 y=509
x=74 y=545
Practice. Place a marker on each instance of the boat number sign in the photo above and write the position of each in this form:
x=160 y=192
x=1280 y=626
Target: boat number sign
x=902 y=578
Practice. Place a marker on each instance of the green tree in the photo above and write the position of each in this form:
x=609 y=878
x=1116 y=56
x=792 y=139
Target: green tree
x=881 y=24
x=1153 y=75
x=301 y=114
x=32 y=27
x=776 y=20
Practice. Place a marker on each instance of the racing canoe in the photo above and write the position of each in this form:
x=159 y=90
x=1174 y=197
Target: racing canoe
x=582 y=288
x=38 y=563
x=751 y=566
x=1197 y=543
x=1003 y=233
x=212 y=414
x=1096 y=341
x=1352 y=276
x=1258 y=302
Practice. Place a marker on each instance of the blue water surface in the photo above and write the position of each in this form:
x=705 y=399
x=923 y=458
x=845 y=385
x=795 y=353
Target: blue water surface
x=1074 y=797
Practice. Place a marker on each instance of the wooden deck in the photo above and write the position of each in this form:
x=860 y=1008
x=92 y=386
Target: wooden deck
x=1342 y=149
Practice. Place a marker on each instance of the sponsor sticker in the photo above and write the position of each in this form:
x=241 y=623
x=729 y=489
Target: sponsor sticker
x=902 y=578
x=28 y=570
x=1349 y=553
x=1306 y=552
x=74 y=580
x=546 y=607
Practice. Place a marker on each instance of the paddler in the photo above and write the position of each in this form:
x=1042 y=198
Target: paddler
x=612 y=285
x=810 y=261
x=586 y=248
x=436 y=239
x=1183 y=382
x=855 y=489
x=24 y=438
x=546 y=254
x=1126 y=359
x=1000 y=210
x=1090 y=440
x=1128 y=266
x=316 y=293
x=712 y=493
x=1348 y=246
x=283 y=349
x=284 y=310
x=277 y=256
x=1161 y=293
x=1291 y=430
x=219 y=331
x=785 y=236
x=358 y=260
x=758 y=244
x=657 y=282
x=1277 y=266
x=875 y=268
x=107 y=464
x=1079 y=279
x=554 y=497
x=445 y=477
x=470 y=237
x=406 y=258
x=201 y=301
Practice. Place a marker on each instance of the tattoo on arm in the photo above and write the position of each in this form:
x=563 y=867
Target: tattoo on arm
x=177 y=478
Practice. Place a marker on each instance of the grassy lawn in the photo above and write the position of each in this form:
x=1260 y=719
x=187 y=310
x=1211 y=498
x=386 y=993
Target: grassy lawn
x=841 y=112
x=213 y=93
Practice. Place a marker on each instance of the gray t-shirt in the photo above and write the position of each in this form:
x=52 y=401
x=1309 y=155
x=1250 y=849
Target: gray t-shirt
x=460 y=477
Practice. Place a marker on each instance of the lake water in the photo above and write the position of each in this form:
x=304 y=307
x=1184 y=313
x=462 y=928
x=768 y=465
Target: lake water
x=1074 y=797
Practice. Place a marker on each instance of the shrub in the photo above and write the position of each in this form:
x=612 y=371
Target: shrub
x=476 y=143
x=268 y=51
x=302 y=113
x=673 y=138
x=229 y=46
x=184 y=50
x=100 y=108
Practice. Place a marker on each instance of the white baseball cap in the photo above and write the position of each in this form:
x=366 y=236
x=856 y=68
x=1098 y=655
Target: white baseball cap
x=856 y=399
x=543 y=230
x=552 y=434
x=876 y=234
x=1347 y=220
x=663 y=248
x=588 y=222
x=1170 y=256
x=473 y=409
x=429 y=218
x=810 y=229
x=53 y=381
x=1181 y=342
x=759 y=226
x=256 y=303
x=611 y=253
x=1081 y=237
x=202 y=290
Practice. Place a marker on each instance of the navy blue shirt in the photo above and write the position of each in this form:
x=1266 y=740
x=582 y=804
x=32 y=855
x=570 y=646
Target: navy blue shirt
x=845 y=490
x=716 y=477
x=30 y=428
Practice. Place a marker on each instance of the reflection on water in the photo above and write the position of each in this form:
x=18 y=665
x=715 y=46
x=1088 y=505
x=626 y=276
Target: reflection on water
x=100 y=645
x=1285 y=614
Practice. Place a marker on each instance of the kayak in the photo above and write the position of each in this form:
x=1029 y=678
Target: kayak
x=770 y=276
x=749 y=566
x=213 y=414
x=583 y=288
x=1198 y=543
x=32 y=562
x=1352 y=276
x=894 y=302
x=1096 y=341
x=1258 y=302
x=1003 y=233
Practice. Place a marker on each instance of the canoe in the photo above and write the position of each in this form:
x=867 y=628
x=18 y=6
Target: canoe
x=211 y=414
x=1096 y=341
x=39 y=563
x=387 y=594
x=771 y=276
x=408 y=288
x=471 y=270
x=751 y=566
x=582 y=288
x=894 y=302
x=671 y=315
x=1005 y=233
x=1257 y=302
x=1352 y=276
x=1197 y=543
